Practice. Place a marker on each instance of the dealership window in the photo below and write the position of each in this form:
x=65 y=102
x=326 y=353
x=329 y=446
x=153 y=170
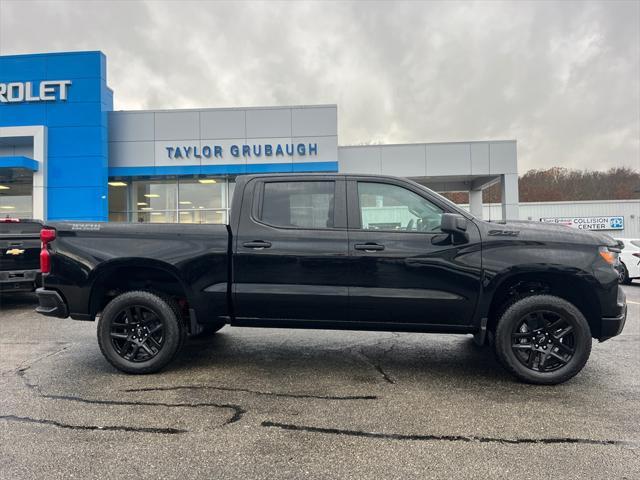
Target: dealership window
x=390 y=207
x=16 y=193
x=298 y=204
x=170 y=200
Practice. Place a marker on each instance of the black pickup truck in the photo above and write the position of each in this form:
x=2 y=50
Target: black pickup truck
x=19 y=253
x=338 y=252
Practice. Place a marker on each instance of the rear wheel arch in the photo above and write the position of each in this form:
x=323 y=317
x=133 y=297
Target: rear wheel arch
x=114 y=279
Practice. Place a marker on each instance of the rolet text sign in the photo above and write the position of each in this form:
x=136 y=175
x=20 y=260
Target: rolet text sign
x=46 y=91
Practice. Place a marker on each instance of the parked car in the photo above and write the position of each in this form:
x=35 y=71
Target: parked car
x=19 y=255
x=629 y=260
x=338 y=252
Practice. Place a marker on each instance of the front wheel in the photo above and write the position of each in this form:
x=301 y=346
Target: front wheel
x=140 y=332
x=543 y=340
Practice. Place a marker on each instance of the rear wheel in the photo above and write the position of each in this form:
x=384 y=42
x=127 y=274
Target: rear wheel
x=140 y=332
x=543 y=339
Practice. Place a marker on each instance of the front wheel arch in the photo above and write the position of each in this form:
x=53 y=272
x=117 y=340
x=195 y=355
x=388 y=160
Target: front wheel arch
x=575 y=289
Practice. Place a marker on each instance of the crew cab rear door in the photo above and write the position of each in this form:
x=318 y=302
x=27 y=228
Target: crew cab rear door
x=403 y=269
x=290 y=250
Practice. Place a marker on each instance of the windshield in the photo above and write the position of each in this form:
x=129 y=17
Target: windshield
x=448 y=203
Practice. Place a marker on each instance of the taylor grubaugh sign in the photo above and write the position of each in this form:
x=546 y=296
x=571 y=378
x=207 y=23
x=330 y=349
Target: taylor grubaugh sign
x=588 y=223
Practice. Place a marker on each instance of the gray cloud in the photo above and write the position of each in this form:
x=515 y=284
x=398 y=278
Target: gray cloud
x=562 y=78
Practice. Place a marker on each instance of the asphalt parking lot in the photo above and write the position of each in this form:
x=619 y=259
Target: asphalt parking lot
x=263 y=403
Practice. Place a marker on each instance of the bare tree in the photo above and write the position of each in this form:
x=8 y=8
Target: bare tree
x=559 y=184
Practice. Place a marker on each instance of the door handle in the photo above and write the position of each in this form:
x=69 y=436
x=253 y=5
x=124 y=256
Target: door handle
x=257 y=244
x=369 y=247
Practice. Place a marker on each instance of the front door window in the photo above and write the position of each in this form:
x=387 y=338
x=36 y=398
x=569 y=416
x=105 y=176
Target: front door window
x=392 y=208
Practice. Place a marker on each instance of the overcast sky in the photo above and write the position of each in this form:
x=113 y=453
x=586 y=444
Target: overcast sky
x=561 y=78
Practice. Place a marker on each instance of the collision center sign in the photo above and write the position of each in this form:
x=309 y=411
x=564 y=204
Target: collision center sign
x=588 y=223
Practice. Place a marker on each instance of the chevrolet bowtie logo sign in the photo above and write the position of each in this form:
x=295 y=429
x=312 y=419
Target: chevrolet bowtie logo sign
x=15 y=251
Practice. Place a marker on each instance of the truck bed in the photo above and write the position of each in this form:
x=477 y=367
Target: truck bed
x=86 y=254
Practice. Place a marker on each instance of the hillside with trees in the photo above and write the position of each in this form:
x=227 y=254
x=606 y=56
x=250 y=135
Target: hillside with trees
x=559 y=184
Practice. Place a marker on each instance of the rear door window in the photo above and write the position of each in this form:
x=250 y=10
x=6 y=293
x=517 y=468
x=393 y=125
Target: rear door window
x=308 y=205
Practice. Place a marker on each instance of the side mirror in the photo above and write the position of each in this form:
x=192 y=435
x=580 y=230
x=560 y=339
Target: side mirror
x=453 y=223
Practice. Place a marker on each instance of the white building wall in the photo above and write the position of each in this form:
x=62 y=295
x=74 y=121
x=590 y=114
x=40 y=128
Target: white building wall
x=454 y=166
x=140 y=138
x=629 y=209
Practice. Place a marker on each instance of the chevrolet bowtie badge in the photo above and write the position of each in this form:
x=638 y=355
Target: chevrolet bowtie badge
x=15 y=251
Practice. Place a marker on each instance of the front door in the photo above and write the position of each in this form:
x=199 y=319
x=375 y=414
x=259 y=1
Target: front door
x=290 y=259
x=403 y=269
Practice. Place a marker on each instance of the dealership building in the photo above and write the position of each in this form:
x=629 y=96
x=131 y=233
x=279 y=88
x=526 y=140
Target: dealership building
x=66 y=155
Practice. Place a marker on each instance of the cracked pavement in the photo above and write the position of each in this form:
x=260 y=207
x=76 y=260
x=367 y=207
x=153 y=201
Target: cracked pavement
x=266 y=403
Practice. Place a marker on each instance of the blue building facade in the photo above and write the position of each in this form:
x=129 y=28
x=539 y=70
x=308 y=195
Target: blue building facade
x=66 y=155
x=67 y=95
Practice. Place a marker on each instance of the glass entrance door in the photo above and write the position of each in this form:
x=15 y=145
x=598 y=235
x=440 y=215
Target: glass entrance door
x=16 y=193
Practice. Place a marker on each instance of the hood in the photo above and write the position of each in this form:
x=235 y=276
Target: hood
x=541 y=231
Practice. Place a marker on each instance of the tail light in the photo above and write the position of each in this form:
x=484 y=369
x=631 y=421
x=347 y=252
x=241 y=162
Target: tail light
x=9 y=220
x=47 y=235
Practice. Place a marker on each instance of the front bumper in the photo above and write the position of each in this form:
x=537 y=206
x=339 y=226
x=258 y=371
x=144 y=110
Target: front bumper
x=612 y=326
x=51 y=304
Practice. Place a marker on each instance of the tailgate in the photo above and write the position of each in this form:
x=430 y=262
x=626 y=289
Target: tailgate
x=19 y=246
x=19 y=253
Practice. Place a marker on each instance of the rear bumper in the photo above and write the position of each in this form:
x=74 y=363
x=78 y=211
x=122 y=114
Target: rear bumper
x=19 y=280
x=612 y=326
x=51 y=304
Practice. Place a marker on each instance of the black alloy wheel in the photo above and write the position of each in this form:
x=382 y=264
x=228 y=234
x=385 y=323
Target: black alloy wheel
x=543 y=341
x=137 y=333
x=141 y=332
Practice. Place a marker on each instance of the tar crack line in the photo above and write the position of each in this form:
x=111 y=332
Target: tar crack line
x=107 y=428
x=256 y=392
x=238 y=411
x=446 y=438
